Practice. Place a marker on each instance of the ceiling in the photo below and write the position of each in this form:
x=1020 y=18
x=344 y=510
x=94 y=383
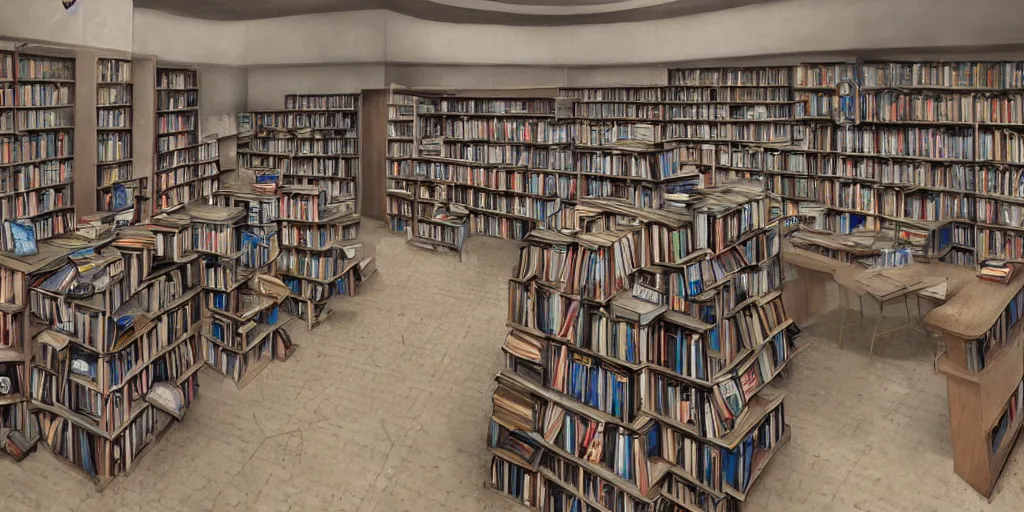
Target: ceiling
x=499 y=12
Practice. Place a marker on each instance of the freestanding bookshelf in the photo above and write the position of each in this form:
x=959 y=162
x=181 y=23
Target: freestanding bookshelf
x=318 y=252
x=243 y=334
x=112 y=370
x=984 y=367
x=639 y=354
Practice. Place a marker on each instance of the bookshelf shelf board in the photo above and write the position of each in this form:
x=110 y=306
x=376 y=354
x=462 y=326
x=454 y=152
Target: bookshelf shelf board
x=12 y=354
x=50 y=212
x=79 y=420
x=48 y=129
x=197 y=162
x=728 y=86
x=265 y=153
x=936 y=88
x=182 y=148
x=917 y=123
x=612 y=176
x=172 y=132
x=189 y=181
x=114 y=162
x=325 y=155
x=434 y=241
x=114 y=82
x=40 y=187
x=178 y=110
x=318 y=177
x=47 y=80
x=479 y=114
x=177 y=88
x=8 y=400
x=113 y=128
x=823 y=88
x=44 y=107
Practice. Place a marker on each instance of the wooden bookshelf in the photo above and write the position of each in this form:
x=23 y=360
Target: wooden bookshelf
x=115 y=175
x=37 y=95
x=690 y=327
x=461 y=164
x=313 y=141
x=984 y=367
x=187 y=168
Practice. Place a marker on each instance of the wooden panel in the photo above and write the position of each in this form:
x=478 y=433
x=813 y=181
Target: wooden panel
x=805 y=297
x=970 y=455
x=373 y=135
x=84 y=173
x=998 y=382
x=144 y=125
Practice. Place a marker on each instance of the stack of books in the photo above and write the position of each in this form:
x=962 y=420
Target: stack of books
x=996 y=271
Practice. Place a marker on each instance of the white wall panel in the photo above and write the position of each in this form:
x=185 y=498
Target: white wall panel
x=105 y=24
x=267 y=86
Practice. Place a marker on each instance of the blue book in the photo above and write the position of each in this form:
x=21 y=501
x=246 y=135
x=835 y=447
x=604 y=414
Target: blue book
x=23 y=235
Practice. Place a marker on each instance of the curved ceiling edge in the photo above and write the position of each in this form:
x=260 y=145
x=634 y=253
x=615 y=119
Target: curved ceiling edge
x=791 y=26
x=504 y=12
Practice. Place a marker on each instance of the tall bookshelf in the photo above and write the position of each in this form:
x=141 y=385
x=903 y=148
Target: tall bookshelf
x=644 y=387
x=36 y=148
x=115 y=175
x=461 y=165
x=401 y=188
x=930 y=149
x=313 y=141
x=187 y=168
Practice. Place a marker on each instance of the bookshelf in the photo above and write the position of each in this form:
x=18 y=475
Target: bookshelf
x=617 y=382
x=401 y=189
x=114 y=365
x=313 y=141
x=37 y=95
x=983 y=363
x=187 y=168
x=319 y=253
x=460 y=165
x=117 y=185
x=244 y=332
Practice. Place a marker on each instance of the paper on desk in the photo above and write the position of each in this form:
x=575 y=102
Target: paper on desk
x=937 y=292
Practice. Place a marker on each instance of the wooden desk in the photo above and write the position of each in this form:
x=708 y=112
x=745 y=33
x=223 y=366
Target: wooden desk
x=805 y=296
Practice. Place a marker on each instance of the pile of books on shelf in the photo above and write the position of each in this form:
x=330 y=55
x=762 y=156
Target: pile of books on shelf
x=996 y=271
x=641 y=348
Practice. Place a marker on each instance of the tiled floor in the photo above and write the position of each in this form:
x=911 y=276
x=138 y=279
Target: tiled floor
x=385 y=410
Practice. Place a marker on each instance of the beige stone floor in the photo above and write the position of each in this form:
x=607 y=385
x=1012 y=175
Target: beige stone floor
x=385 y=410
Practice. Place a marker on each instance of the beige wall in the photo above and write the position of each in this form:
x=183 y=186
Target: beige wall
x=784 y=27
x=223 y=93
x=267 y=86
x=103 y=24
